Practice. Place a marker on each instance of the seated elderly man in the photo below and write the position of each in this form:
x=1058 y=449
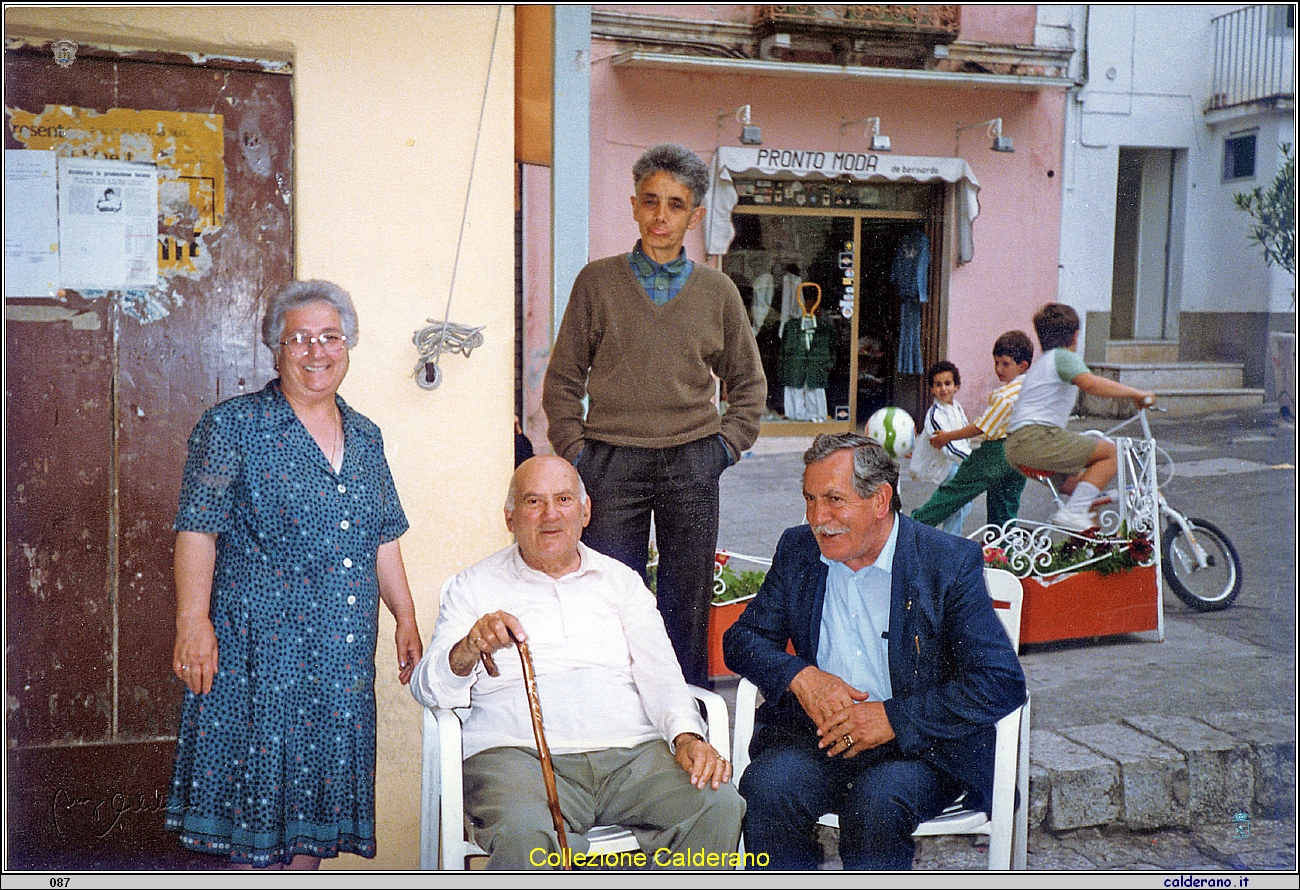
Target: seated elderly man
x=611 y=691
x=885 y=712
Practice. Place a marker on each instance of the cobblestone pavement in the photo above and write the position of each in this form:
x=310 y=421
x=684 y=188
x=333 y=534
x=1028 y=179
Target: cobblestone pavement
x=1270 y=846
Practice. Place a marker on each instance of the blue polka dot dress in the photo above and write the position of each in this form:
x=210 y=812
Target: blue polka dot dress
x=279 y=758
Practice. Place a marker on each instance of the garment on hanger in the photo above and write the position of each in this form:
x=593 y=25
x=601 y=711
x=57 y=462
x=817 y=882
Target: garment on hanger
x=790 y=284
x=806 y=361
x=909 y=275
x=763 y=287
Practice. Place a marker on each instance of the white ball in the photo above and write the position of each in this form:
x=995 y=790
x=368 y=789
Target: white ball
x=894 y=429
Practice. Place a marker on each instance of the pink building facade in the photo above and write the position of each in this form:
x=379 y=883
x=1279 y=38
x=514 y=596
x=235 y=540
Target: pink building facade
x=813 y=218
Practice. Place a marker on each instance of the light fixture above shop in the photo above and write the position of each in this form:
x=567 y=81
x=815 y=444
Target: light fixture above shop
x=749 y=134
x=1000 y=142
x=871 y=128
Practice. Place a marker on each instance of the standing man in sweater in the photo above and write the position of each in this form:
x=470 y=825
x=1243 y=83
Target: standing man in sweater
x=643 y=339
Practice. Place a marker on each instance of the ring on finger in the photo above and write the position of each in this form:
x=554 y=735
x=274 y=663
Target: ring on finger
x=847 y=739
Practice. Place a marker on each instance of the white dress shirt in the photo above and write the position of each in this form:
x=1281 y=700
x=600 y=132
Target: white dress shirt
x=607 y=676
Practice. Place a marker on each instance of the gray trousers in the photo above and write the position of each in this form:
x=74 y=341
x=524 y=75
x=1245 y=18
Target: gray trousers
x=642 y=789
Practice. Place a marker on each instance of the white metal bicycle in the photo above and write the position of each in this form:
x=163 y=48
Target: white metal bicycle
x=1196 y=556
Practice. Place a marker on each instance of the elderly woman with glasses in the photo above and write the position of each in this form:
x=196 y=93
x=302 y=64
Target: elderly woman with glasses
x=286 y=540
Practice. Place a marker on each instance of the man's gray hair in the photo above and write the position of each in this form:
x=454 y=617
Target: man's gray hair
x=677 y=161
x=296 y=294
x=510 y=492
x=872 y=465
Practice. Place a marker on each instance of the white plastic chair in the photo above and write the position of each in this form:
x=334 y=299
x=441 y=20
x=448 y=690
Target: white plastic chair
x=446 y=837
x=1007 y=827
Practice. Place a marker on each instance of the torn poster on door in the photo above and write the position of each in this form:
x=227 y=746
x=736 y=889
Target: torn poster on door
x=31 y=224
x=187 y=147
x=108 y=224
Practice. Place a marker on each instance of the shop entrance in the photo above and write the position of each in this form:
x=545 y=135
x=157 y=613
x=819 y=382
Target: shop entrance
x=832 y=288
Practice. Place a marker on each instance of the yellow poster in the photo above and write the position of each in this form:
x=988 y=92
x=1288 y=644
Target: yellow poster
x=188 y=148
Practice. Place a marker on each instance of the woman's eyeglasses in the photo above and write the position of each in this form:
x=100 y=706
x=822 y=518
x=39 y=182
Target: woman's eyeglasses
x=299 y=344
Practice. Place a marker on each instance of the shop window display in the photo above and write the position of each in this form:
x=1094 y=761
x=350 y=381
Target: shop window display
x=818 y=265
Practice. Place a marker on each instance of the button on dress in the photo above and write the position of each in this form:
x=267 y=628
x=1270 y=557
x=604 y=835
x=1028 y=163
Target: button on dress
x=279 y=758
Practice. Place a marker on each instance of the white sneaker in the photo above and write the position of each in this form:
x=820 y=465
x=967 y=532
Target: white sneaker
x=1074 y=521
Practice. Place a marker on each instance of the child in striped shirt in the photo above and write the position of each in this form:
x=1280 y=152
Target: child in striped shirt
x=986 y=470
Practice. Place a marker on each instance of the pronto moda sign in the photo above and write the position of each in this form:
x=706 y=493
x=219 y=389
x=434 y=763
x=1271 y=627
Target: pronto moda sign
x=734 y=162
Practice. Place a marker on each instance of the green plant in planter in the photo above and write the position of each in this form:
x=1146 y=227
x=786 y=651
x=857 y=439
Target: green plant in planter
x=1086 y=552
x=737 y=585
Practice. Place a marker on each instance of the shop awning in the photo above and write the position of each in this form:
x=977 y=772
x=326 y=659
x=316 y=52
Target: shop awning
x=744 y=162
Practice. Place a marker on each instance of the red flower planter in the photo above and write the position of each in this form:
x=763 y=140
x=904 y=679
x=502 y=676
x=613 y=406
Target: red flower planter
x=721 y=617
x=1076 y=605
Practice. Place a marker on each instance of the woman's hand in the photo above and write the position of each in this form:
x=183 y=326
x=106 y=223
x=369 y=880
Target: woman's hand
x=194 y=657
x=409 y=649
x=396 y=594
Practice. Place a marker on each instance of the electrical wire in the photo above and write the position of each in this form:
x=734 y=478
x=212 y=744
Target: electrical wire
x=454 y=337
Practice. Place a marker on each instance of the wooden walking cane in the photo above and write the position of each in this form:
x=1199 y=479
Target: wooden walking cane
x=543 y=750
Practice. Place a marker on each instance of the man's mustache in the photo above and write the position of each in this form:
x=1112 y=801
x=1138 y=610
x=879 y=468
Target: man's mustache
x=829 y=529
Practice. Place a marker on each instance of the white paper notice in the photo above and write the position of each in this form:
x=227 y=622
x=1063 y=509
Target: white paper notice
x=31 y=224
x=108 y=224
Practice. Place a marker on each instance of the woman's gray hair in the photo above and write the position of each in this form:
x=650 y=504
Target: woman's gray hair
x=677 y=161
x=302 y=293
x=872 y=464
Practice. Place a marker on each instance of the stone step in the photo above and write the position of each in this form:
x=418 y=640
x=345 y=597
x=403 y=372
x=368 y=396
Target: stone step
x=1162 y=771
x=1122 y=351
x=1172 y=375
x=1177 y=402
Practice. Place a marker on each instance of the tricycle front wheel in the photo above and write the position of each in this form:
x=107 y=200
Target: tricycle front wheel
x=1205 y=589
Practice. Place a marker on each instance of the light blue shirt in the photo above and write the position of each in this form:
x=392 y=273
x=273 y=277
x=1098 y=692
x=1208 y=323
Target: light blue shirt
x=854 y=641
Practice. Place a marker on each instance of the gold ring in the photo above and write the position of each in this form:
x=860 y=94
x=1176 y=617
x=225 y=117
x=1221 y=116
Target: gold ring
x=847 y=739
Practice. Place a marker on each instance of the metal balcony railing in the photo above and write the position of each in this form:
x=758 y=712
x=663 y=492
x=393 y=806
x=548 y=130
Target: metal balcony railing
x=1254 y=56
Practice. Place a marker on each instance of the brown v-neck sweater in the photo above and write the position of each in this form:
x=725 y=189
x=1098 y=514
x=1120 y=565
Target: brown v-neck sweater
x=647 y=369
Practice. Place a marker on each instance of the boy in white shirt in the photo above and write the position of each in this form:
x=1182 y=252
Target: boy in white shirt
x=1037 y=437
x=945 y=415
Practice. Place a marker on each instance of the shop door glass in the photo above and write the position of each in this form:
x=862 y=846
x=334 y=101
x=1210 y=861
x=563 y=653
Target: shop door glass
x=796 y=276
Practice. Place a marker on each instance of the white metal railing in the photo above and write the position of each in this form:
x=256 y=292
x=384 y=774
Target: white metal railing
x=1029 y=546
x=1254 y=55
x=734 y=560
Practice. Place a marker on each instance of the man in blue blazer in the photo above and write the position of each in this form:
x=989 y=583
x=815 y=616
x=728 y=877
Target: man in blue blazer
x=885 y=712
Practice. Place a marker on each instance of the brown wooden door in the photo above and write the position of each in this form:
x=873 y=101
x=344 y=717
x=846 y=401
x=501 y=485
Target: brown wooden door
x=102 y=390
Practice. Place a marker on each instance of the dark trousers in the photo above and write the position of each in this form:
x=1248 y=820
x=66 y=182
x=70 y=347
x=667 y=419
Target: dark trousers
x=679 y=487
x=880 y=797
x=986 y=470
